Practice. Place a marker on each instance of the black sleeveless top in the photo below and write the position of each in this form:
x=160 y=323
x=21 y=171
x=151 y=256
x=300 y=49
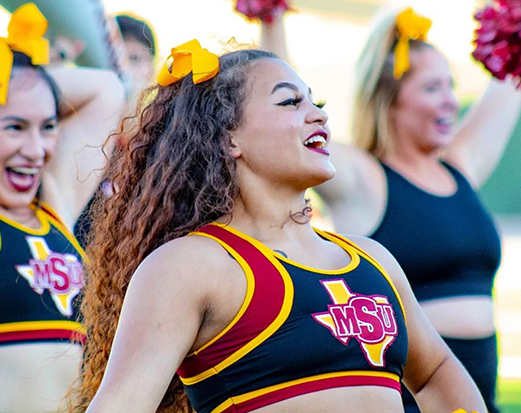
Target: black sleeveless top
x=447 y=246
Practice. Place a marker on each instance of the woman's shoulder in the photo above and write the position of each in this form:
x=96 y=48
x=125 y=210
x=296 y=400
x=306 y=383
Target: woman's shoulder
x=187 y=255
x=380 y=254
x=369 y=245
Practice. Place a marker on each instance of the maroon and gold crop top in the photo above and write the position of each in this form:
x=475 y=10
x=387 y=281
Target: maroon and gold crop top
x=41 y=277
x=299 y=330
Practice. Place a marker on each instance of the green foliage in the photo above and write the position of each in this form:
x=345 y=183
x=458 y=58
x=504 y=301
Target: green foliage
x=509 y=395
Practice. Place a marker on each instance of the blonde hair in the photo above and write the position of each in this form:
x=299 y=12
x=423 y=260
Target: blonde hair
x=376 y=88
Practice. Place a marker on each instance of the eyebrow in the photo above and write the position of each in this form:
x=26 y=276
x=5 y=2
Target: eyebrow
x=287 y=85
x=17 y=119
x=439 y=80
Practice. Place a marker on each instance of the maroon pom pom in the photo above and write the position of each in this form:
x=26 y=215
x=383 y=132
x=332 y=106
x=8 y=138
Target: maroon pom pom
x=498 y=39
x=265 y=10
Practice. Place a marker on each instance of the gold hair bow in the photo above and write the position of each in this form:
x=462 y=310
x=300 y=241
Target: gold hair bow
x=186 y=58
x=24 y=34
x=410 y=27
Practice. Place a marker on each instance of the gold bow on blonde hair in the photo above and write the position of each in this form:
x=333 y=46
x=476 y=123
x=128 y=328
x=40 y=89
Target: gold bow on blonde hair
x=410 y=27
x=24 y=34
x=186 y=58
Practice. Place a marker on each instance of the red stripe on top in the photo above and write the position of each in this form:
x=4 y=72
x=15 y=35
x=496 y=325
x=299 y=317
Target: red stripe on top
x=35 y=335
x=264 y=307
x=51 y=213
x=310 y=387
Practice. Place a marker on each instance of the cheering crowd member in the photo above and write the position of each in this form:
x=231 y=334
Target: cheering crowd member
x=46 y=120
x=139 y=50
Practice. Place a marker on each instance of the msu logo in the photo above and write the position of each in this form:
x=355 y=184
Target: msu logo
x=60 y=274
x=368 y=319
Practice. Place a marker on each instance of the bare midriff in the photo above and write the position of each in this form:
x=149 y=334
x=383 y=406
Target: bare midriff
x=469 y=317
x=35 y=377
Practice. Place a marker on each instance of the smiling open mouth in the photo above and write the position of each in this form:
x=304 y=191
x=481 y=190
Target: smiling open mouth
x=316 y=142
x=22 y=179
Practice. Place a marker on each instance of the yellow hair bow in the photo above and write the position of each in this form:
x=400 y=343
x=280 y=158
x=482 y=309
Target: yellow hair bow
x=186 y=58
x=25 y=34
x=410 y=27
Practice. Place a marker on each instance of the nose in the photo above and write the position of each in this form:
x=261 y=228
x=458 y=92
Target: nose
x=33 y=146
x=318 y=115
x=450 y=100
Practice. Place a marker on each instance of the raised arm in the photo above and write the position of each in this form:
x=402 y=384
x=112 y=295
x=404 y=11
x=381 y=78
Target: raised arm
x=93 y=100
x=273 y=37
x=483 y=133
x=356 y=196
x=434 y=376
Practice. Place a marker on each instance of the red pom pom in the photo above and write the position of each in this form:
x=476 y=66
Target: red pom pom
x=265 y=10
x=498 y=39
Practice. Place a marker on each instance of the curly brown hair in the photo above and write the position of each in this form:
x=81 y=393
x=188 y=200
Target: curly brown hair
x=175 y=175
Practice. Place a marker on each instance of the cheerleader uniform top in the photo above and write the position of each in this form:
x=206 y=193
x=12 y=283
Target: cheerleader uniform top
x=299 y=330
x=446 y=245
x=41 y=275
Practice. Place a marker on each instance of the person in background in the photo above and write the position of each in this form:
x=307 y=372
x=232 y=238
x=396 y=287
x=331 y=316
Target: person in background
x=410 y=182
x=50 y=121
x=206 y=270
x=139 y=48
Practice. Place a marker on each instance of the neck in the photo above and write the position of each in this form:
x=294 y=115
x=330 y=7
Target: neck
x=22 y=215
x=270 y=215
x=410 y=158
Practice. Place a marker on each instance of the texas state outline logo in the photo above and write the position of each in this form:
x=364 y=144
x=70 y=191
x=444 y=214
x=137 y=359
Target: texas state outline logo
x=368 y=319
x=60 y=274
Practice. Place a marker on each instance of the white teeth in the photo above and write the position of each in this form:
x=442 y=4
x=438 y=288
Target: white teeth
x=25 y=170
x=316 y=138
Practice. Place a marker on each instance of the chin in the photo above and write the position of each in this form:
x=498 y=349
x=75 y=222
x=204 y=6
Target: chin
x=18 y=201
x=324 y=177
x=442 y=140
x=330 y=173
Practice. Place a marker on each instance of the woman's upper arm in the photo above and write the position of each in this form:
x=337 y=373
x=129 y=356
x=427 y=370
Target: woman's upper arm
x=357 y=194
x=160 y=319
x=93 y=100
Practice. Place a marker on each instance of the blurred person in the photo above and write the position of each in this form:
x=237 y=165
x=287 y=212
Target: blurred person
x=139 y=51
x=410 y=182
x=206 y=270
x=139 y=45
x=65 y=50
x=47 y=120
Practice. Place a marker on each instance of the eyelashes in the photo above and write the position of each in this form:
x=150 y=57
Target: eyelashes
x=295 y=101
x=291 y=102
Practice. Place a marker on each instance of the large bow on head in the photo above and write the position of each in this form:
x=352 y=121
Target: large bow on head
x=186 y=58
x=410 y=27
x=25 y=34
